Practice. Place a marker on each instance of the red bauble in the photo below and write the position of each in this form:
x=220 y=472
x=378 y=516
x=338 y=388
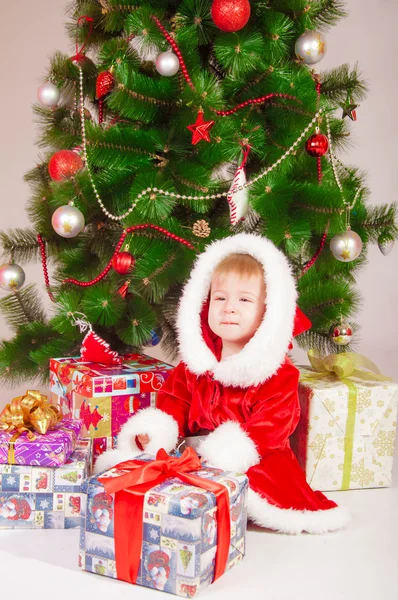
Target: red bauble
x=317 y=145
x=123 y=262
x=104 y=84
x=64 y=164
x=230 y=15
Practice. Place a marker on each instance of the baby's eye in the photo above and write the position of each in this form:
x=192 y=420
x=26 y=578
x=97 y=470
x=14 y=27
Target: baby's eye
x=245 y=300
x=219 y=298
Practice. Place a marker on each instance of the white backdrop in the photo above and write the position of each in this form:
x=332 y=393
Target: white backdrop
x=31 y=31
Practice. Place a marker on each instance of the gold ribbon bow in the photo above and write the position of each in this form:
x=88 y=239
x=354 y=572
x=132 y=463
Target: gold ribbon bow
x=343 y=367
x=29 y=413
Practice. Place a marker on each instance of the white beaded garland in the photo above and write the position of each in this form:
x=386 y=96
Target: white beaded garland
x=173 y=194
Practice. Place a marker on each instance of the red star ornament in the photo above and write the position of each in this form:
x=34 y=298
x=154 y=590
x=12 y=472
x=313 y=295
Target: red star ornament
x=200 y=129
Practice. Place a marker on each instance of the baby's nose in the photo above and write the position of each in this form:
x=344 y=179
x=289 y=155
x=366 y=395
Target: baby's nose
x=228 y=308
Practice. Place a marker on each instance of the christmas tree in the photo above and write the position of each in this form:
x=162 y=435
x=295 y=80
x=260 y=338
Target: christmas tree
x=172 y=124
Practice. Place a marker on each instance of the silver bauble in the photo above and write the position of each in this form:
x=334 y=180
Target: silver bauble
x=167 y=64
x=386 y=243
x=310 y=47
x=12 y=277
x=341 y=333
x=67 y=221
x=346 y=246
x=48 y=94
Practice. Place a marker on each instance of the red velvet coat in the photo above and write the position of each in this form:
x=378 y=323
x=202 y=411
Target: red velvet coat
x=268 y=413
x=247 y=403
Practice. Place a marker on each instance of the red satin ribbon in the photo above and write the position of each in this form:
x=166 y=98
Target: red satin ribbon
x=130 y=487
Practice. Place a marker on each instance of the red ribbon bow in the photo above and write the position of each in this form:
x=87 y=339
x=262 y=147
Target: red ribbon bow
x=130 y=486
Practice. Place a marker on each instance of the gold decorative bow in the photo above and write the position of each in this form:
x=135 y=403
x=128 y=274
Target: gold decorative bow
x=29 y=413
x=344 y=367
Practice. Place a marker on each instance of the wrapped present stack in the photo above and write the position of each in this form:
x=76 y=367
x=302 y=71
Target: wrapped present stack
x=43 y=464
x=346 y=434
x=177 y=534
x=34 y=497
x=104 y=396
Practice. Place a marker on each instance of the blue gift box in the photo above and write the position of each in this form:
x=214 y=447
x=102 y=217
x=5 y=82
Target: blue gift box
x=179 y=541
x=34 y=497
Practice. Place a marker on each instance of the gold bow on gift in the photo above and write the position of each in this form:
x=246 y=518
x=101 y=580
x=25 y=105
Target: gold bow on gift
x=29 y=413
x=344 y=367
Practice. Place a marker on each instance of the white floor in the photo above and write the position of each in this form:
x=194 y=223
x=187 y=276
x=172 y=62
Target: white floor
x=358 y=563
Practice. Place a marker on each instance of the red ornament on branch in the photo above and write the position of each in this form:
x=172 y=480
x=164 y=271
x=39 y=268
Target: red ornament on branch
x=230 y=15
x=64 y=164
x=104 y=84
x=200 y=129
x=123 y=262
x=95 y=349
x=317 y=145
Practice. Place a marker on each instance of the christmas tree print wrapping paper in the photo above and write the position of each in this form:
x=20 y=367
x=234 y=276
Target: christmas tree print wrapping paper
x=44 y=498
x=105 y=396
x=50 y=449
x=343 y=444
x=179 y=531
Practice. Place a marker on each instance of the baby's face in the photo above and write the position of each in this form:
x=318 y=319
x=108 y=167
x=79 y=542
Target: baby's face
x=237 y=306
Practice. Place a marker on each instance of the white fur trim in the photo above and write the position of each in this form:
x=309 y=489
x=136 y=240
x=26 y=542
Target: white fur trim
x=295 y=521
x=110 y=458
x=229 y=447
x=161 y=428
x=265 y=352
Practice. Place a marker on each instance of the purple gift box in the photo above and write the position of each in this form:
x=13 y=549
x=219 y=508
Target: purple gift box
x=51 y=449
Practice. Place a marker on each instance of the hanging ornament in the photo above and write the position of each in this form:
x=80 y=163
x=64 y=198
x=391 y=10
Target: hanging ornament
x=200 y=129
x=67 y=221
x=12 y=277
x=310 y=47
x=317 y=145
x=95 y=349
x=341 y=333
x=48 y=94
x=103 y=86
x=238 y=199
x=346 y=246
x=167 y=64
x=123 y=262
x=79 y=57
x=156 y=337
x=349 y=110
x=230 y=15
x=386 y=243
x=201 y=229
x=123 y=291
x=64 y=164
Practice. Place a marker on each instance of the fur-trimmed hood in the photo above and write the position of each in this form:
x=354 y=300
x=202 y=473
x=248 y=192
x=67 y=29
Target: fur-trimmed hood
x=265 y=352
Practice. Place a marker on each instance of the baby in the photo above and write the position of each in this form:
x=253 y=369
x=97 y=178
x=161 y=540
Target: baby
x=235 y=385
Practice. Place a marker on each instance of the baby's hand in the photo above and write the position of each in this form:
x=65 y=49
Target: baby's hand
x=143 y=439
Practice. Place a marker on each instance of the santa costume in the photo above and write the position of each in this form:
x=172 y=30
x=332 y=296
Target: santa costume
x=247 y=404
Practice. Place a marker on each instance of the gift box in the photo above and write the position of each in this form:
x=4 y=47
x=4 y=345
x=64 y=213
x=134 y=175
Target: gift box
x=105 y=396
x=50 y=449
x=34 y=497
x=346 y=434
x=179 y=539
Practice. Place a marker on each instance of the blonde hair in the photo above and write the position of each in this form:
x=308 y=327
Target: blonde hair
x=243 y=265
